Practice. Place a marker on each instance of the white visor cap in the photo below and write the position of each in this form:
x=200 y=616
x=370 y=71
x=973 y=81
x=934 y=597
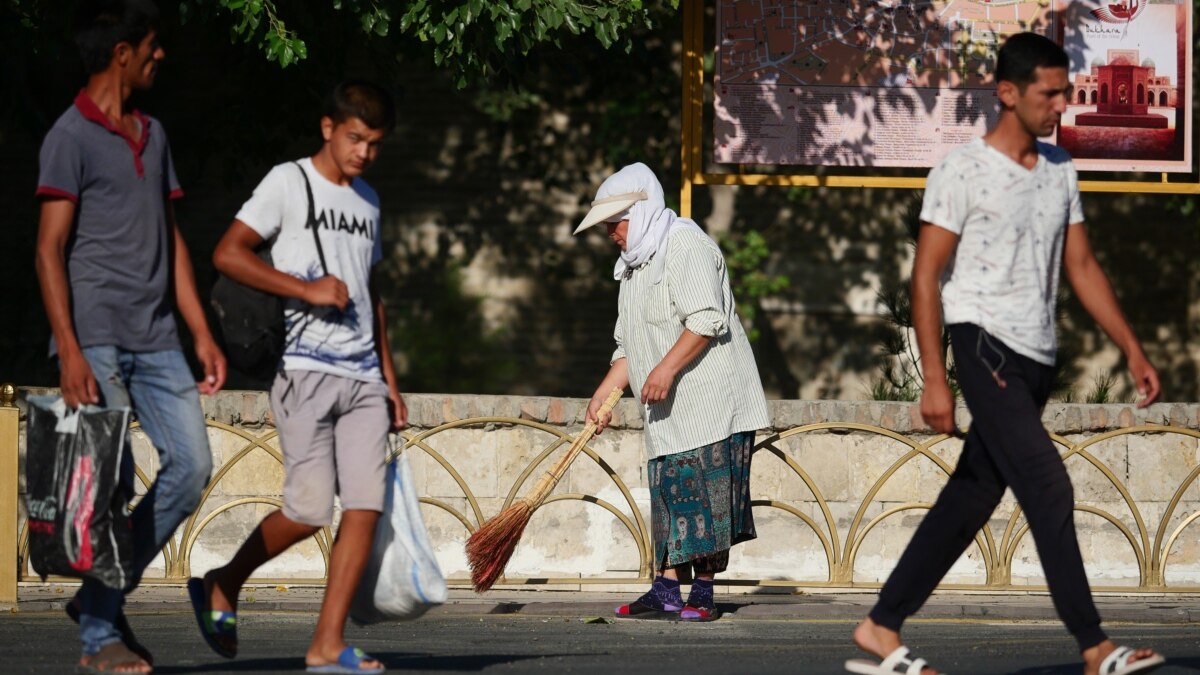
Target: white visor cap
x=606 y=207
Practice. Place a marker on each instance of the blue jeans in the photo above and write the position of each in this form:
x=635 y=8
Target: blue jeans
x=160 y=389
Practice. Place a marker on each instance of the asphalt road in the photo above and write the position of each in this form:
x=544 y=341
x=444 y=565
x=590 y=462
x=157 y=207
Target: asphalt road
x=275 y=643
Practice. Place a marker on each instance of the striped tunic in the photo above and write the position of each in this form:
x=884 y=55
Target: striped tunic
x=719 y=393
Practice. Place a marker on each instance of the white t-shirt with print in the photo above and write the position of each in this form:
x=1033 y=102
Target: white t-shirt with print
x=1011 y=223
x=322 y=339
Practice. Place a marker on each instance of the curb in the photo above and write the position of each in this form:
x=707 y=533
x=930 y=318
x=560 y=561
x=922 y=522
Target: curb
x=583 y=605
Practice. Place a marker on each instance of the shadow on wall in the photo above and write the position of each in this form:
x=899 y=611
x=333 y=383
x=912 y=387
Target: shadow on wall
x=1151 y=253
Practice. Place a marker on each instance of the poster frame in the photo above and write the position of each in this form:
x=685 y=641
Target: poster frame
x=692 y=137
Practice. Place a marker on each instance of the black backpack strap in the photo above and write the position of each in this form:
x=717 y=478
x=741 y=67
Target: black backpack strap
x=312 y=217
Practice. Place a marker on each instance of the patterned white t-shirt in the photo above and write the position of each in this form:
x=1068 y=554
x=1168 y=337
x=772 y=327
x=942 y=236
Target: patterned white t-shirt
x=1011 y=222
x=322 y=339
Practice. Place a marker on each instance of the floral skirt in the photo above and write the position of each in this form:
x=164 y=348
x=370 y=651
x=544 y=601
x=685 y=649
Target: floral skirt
x=700 y=504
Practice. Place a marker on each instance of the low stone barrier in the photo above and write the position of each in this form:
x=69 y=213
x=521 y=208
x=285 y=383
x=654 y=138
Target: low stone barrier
x=838 y=486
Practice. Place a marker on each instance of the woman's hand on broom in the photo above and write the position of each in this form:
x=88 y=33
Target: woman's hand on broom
x=616 y=379
x=600 y=418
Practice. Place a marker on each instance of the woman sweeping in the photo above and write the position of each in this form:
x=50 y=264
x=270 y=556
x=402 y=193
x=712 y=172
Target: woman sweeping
x=681 y=347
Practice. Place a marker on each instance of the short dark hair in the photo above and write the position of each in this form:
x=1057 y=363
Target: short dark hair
x=367 y=101
x=1023 y=53
x=101 y=25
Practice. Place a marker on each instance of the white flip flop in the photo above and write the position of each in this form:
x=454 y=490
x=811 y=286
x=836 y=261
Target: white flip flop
x=1117 y=663
x=898 y=663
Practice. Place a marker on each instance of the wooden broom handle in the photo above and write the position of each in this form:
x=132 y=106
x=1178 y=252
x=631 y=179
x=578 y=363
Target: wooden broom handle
x=555 y=473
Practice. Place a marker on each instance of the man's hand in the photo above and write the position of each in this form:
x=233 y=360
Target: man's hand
x=398 y=409
x=935 y=247
x=76 y=381
x=937 y=407
x=658 y=384
x=328 y=290
x=210 y=356
x=600 y=421
x=1145 y=379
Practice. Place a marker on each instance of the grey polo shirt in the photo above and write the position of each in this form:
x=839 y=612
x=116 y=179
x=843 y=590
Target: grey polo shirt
x=119 y=255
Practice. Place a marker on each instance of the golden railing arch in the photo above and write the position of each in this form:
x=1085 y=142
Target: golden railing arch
x=1151 y=545
x=1151 y=555
x=633 y=522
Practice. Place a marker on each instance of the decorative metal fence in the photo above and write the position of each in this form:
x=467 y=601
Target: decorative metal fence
x=1152 y=544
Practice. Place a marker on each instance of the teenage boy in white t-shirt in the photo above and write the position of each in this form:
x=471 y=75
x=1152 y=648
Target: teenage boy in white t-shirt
x=334 y=397
x=1000 y=215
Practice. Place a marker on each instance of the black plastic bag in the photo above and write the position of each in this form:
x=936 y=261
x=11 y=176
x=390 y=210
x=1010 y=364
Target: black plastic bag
x=78 y=511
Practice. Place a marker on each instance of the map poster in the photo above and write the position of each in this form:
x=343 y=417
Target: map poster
x=900 y=83
x=1131 y=109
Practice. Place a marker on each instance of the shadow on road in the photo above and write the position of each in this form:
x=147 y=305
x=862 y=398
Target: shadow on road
x=1073 y=668
x=1190 y=662
x=399 y=661
x=1062 y=669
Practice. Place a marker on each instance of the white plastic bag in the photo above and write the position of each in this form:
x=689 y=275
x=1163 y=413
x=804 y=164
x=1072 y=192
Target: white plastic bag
x=402 y=578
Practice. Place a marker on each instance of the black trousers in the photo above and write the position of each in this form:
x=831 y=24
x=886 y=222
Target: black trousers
x=1006 y=446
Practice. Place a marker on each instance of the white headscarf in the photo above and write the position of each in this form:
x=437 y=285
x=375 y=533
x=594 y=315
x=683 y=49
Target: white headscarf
x=651 y=223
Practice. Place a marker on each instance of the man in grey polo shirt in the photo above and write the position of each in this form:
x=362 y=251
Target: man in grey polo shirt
x=112 y=266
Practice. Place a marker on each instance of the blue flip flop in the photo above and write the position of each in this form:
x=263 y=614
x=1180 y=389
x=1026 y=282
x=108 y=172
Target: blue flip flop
x=213 y=623
x=349 y=661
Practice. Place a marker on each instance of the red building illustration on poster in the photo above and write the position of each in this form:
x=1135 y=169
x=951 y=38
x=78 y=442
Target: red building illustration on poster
x=1123 y=91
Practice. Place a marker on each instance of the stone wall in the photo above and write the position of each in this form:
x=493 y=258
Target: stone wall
x=839 y=487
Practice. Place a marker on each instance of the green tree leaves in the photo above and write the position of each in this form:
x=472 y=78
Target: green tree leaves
x=474 y=39
x=746 y=255
x=255 y=22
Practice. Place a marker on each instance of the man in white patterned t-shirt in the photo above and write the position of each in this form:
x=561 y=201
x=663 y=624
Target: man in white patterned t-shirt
x=1000 y=216
x=335 y=396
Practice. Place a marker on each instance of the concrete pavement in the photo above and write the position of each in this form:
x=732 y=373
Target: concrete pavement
x=763 y=605
x=275 y=642
x=558 y=632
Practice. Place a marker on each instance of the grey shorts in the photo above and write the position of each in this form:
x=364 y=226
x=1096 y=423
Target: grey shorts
x=334 y=435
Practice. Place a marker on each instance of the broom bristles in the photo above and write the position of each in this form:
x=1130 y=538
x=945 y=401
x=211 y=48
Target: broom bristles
x=491 y=546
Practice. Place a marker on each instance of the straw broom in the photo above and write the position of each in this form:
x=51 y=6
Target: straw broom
x=491 y=546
